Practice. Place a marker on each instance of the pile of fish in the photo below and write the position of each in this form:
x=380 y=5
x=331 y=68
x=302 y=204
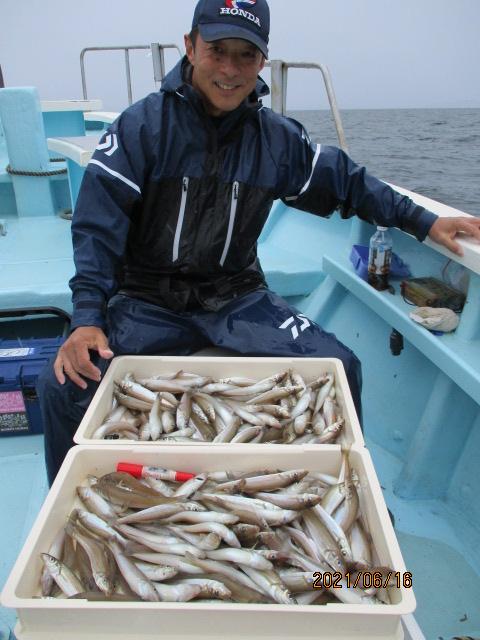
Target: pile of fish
x=187 y=407
x=258 y=537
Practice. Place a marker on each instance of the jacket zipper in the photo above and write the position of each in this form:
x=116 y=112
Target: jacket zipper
x=231 y=222
x=181 y=216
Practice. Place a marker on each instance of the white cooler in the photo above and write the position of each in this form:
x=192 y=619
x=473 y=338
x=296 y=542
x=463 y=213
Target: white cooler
x=218 y=367
x=59 y=619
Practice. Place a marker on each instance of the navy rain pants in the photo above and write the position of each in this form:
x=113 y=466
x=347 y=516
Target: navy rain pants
x=259 y=323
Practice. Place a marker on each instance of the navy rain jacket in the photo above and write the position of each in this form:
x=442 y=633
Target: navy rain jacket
x=173 y=201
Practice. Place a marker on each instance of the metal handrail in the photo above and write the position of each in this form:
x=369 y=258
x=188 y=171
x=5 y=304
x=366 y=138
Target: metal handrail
x=279 y=70
x=158 y=59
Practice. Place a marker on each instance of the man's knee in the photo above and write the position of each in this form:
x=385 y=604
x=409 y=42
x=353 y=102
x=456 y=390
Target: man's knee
x=47 y=383
x=67 y=399
x=353 y=371
x=353 y=366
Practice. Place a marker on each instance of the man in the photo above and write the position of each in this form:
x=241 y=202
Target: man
x=170 y=209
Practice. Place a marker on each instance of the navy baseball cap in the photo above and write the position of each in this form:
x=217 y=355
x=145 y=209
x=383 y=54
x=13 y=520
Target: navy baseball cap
x=245 y=19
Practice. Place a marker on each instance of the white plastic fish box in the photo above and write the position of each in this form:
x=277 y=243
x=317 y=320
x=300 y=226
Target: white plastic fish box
x=218 y=367
x=55 y=619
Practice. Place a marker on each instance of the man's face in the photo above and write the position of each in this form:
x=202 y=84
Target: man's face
x=224 y=72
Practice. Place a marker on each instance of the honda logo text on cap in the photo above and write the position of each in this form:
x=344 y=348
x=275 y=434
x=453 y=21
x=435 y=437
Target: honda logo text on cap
x=235 y=8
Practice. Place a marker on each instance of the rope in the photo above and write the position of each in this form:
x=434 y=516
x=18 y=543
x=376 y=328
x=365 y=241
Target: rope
x=36 y=174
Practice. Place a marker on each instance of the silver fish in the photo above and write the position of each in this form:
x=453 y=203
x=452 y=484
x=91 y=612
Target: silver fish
x=290 y=501
x=137 y=581
x=271 y=584
x=63 y=576
x=153 y=513
x=177 y=592
x=265 y=482
x=155 y=572
x=155 y=419
x=209 y=588
x=102 y=573
x=96 y=504
x=214 y=566
x=241 y=556
x=170 y=560
x=131 y=402
x=183 y=411
x=56 y=551
x=132 y=388
x=221 y=530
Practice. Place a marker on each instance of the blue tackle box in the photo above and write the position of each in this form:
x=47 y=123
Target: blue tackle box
x=21 y=361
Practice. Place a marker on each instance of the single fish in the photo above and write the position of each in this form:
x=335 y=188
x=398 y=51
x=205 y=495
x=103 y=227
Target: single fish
x=63 y=576
x=241 y=556
x=267 y=482
x=155 y=572
x=136 y=580
x=290 y=501
x=104 y=579
x=56 y=551
x=270 y=583
x=132 y=388
x=177 y=592
x=209 y=588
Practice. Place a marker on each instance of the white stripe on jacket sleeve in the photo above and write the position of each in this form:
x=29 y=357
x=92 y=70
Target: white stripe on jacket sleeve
x=307 y=184
x=115 y=174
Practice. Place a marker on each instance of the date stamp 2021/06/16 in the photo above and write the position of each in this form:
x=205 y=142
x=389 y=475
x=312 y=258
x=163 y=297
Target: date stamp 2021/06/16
x=362 y=579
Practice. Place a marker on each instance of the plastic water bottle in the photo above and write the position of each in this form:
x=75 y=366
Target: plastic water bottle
x=379 y=258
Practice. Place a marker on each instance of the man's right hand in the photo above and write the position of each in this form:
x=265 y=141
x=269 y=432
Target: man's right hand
x=73 y=358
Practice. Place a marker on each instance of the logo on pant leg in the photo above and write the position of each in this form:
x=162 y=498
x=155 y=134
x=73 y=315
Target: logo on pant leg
x=302 y=320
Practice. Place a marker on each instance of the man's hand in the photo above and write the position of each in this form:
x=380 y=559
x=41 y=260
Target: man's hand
x=73 y=358
x=444 y=231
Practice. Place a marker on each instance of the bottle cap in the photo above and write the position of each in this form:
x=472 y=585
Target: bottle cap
x=382 y=228
x=134 y=470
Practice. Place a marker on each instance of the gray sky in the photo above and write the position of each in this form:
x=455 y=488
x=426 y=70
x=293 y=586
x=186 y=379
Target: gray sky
x=381 y=53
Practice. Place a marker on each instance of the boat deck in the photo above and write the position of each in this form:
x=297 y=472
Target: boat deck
x=430 y=547
x=23 y=487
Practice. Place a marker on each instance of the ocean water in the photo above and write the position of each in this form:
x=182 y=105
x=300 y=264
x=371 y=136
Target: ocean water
x=434 y=152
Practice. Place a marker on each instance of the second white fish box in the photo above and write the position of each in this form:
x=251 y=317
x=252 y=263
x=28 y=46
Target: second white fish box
x=80 y=619
x=218 y=368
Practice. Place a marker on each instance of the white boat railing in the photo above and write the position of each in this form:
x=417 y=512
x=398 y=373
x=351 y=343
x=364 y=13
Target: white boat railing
x=470 y=246
x=158 y=59
x=279 y=78
x=279 y=81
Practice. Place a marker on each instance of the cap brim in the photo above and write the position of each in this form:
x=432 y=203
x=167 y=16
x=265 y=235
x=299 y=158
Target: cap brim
x=212 y=32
